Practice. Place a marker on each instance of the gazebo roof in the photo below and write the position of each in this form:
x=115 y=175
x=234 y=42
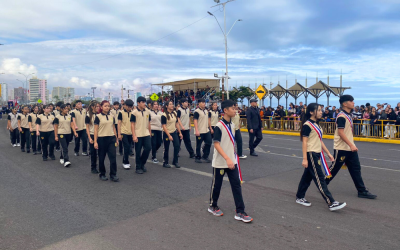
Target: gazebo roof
x=297 y=90
x=319 y=89
x=278 y=91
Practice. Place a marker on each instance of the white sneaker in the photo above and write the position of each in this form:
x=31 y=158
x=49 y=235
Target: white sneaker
x=155 y=160
x=67 y=164
x=62 y=161
x=14 y=145
x=126 y=166
x=243 y=156
x=18 y=145
x=303 y=202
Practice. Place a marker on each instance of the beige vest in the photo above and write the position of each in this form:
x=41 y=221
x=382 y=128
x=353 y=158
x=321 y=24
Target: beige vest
x=185 y=117
x=313 y=142
x=115 y=114
x=155 y=122
x=214 y=117
x=91 y=125
x=46 y=123
x=142 y=122
x=171 y=123
x=14 y=120
x=64 y=124
x=218 y=161
x=338 y=143
x=236 y=120
x=126 y=122
x=24 y=120
x=202 y=122
x=33 y=118
x=106 y=125
x=80 y=119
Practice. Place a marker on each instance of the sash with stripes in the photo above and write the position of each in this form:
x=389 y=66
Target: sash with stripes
x=228 y=129
x=346 y=117
x=323 y=160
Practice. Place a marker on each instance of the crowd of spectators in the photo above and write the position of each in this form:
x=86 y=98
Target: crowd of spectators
x=206 y=93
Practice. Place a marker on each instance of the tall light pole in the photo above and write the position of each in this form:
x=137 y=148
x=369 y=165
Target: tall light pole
x=93 y=88
x=122 y=92
x=225 y=38
x=128 y=92
x=26 y=80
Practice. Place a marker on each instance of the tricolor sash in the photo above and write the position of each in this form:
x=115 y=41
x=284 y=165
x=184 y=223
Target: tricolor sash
x=232 y=137
x=323 y=160
x=348 y=119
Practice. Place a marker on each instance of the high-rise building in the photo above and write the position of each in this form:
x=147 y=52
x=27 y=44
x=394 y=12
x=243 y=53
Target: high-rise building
x=20 y=95
x=11 y=94
x=43 y=93
x=38 y=90
x=63 y=94
x=4 y=93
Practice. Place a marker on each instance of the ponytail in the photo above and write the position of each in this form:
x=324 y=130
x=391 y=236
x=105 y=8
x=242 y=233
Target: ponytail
x=312 y=107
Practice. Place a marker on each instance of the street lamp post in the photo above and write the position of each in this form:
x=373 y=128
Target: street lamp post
x=225 y=39
x=128 y=92
x=93 y=88
x=26 y=80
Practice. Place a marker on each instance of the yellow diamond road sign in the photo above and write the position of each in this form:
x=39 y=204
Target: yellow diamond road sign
x=154 y=97
x=261 y=92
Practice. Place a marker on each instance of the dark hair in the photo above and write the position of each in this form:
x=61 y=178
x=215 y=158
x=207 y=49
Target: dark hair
x=116 y=103
x=312 y=107
x=166 y=109
x=68 y=104
x=183 y=100
x=33 y=108
x=63 y=106
x=129 y=103
x=78 y=101
x=201 y=100
x=227 y=104
x=58 y=104
x=50 y=104
x=91 y=105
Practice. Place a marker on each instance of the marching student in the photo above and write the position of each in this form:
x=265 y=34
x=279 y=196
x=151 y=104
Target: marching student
x=238 y=134
x=314 y=162
x=213 y=117
x=183 y=114
x=62 y=131
x=23 y=127
x=78 y=116
x=36 y=145
x=169 y=121
x=94 y=108
x=226 y=161
x=45 y=129
x=125 y=131
x=202 y=132
x=106 y=141
x=141 y=130
x=115 y=111
x=346 y=151
x=56 y=112
x=156 y=131
x=12 y=125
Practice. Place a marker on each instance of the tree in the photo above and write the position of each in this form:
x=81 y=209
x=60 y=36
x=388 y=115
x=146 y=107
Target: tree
x=56 y=98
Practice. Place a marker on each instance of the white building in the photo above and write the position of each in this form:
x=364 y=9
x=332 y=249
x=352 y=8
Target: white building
x=63 y=94
x=4 y=92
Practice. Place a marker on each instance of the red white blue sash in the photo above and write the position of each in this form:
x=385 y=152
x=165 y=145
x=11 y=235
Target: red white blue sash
x=323 y=160
x=229 y=131
x=346 y=117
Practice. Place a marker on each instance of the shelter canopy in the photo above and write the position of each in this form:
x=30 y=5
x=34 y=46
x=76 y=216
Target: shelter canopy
x=195 y=83
x=319 y=89
x=296 y=90
x=278 y=91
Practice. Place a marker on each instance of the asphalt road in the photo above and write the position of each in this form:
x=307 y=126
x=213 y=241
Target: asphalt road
x=44 y=205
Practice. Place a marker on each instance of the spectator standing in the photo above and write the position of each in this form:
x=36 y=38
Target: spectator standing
x=254 y=126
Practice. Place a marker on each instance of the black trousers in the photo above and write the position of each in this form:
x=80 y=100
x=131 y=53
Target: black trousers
x=257 y=133
x=57 y=145
x=14 y=136
x=239 y=142
x=127 y=142
x=156 y=142
x=64 y=142
x=36 y=145
x=314 y=172
x=187 y=141
x=206 y=137
x=48 y=140
x=26 y=139
x=93 y=155
x=175 y=143
x=353 y=165
x=107 y=147
x=82 y=136
x=142 y=156
x=234 y=180
x=120 y=146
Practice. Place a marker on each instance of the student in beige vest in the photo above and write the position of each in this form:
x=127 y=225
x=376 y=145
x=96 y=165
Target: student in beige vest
x=202 y=132
x=141 y=134
x=93 y=110
x=346 y=151
x=125 y=131
x=45 y=129
x=313 y=159
x=238 y=134
x=12 y=126
x=36 y=145
x=23 y=126
x=156 y=131
x=172 y=133
x=62 y=132
x=184 y=122
x=78 y=115
x=213 y=117
x=115 y=111
x=106 y=141
x=56 y=112
x=225 y=161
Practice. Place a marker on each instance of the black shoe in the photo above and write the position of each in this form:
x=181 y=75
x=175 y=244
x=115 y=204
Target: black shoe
x=76 y=154
x=57 y=149
x=94 y=171
x=367 y=195
x=144 y=169
x=192 y=156
x=85 y=154
x=337 y=205
x=139 y=171
x=198 y=160
x=166 y=165
x=44 y=159
x=206 y=160
x=114 y=178
x=22 y=150
x=253 y=154
x=28 y=151
x=176 y=165
x=34 y=153
x=103 y=178
x=53 y=158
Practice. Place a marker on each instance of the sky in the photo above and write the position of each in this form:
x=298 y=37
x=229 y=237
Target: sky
x=106 y=44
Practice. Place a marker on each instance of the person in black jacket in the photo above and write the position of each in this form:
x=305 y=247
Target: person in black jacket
x=254 y=126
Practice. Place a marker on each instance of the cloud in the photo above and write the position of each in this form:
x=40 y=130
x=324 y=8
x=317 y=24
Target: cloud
x=14 y=66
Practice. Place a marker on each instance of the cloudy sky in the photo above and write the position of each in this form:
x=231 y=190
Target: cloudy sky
x=135 y=43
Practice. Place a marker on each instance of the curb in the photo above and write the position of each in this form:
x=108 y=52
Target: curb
x=388 y=141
